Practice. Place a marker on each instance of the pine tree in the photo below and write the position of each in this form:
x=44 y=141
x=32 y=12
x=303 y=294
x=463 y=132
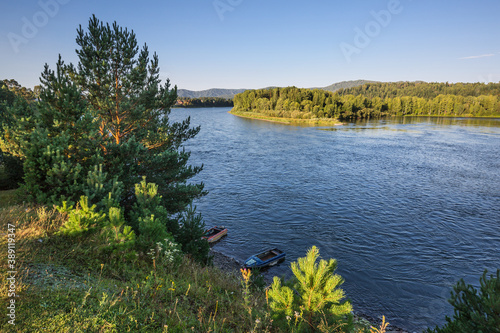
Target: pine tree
x=98 y=128
x=149 y=218
x=83 y=219
x=64 y=144
x=109 y=109
x=317 y=287
x=11 y=167
x=191 y=231
x=474 y=312
x=122 y=87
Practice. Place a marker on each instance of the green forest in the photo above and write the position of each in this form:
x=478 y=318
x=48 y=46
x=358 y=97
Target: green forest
x=373 y=100
x=203 y=102
x=421 y=89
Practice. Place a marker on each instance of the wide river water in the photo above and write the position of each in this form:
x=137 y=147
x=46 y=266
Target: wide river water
x=407 y=206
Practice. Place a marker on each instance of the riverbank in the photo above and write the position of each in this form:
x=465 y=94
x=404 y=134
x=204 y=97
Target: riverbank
x=61 y=283
x=288 y=121
x=67 y=284
x=46 y=281
x=464 y=116
x=232 y=267
x=336 y=122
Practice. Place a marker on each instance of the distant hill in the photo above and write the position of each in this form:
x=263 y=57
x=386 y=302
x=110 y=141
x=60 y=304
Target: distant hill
x=229 y=93
x=214 y=92
x=346 y=84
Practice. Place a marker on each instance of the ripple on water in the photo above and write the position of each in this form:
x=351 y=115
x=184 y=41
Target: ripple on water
x=407 y=207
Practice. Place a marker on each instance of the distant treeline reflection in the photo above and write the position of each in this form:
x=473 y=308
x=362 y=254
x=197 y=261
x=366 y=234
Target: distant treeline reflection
x=373 y=100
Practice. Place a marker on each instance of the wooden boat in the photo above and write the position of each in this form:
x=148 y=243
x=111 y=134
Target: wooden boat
x=214 y=234
x=267 y=258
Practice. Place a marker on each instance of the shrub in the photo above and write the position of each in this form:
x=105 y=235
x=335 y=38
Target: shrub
x=316 y=293
x=81 y=219
x=114 y=236
x=473 y=311
x=11 y=171
x=192 y=228
x=149 y=218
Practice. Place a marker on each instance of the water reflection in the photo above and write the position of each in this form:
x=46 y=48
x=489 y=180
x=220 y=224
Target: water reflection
x=440 y=121
x=371 y=128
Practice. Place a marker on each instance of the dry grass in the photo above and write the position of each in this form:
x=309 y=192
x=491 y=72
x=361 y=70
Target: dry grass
x=66 y=286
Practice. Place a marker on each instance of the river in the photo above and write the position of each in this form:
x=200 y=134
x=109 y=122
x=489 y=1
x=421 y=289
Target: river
x=407 y=206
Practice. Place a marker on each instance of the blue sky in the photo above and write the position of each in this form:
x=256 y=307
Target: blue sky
x=255 y=43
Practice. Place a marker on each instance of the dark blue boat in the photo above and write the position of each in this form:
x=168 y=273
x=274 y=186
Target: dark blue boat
x=267 y=258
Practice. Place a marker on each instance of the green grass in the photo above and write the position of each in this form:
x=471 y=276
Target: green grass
x=8 y=198
x=66 y=286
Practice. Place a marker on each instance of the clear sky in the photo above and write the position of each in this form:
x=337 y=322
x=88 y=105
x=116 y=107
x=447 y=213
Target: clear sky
x=258 y=43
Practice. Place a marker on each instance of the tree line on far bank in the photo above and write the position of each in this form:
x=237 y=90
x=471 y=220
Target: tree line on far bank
x=427 y=90
x=374 y=100
x=203 y=102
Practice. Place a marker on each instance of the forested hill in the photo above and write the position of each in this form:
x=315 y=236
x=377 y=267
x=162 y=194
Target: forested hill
x=345 y=85
x=297 y=103
x=421 y=89
x=229 y=93
x=215 y=92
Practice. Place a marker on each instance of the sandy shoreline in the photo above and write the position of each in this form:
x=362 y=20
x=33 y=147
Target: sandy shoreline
x=314 y=122
x=232 y=266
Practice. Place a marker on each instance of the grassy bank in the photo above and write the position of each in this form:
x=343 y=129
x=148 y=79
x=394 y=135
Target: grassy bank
x=288 y=121
x=334 y=121
x=63 y=284
x=7 y=198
